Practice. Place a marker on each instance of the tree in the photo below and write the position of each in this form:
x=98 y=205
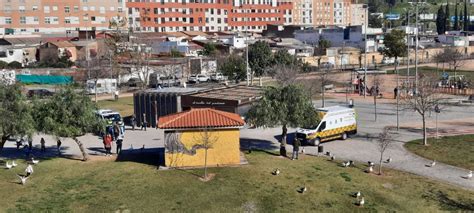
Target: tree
x=15 y=65
x=260 y=58
x=209 y=49
x=15 y=119
x=424 y=100
x=206 y=140
x=456 y=17
x=441 y=21
x=286 y=74
x=233 y=67
x=174 y=53
x=288 y=106
x=323 y=44
x=448 y=18
x=139 y=59
x=67 y=114
x=282 y=57
x=394 y=48
x=384 y=141
x=466 y=17
x=375 y=21
x=454 y=57
x=323 y=78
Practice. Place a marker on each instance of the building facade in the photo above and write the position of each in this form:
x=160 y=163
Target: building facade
x=53 y=16
x=331 y=12
x=359 y=15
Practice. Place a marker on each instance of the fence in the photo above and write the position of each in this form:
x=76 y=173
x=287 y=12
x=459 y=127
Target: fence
x=455 y=91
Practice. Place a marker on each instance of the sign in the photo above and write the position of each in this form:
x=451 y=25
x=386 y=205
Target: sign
x=392 y=16
x=208 y=103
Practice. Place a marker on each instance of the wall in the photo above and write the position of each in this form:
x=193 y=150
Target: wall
x=225 y=151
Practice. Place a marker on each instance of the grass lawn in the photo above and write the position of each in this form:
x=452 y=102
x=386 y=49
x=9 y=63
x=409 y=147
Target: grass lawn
x=124 y=105
x=454 y=150
x=469 y=75
x=61 y=185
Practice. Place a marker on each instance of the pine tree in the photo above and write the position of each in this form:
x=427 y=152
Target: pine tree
x=466 y=17
x=441 y=21
x=456 y=17
x=448 y=21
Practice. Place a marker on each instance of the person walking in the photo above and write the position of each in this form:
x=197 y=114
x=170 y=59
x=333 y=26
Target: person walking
x=296 y=149
x=395 y=93
x=119 y=143
x=18 y=144
x=133 y=121
x=144 y=123
x=58 y=144
x=108 y=144
x=29 y=170
x=30 y=143
x=43 y=145
x=116 y=131
x=116 y=95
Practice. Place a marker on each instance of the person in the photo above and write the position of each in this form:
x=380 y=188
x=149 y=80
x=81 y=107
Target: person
x=144 y=124
x=132 y=120
x=119 y=143
x=296 y=148
x=116 y=131
x=58 y=144
x=18 y=144
x=116 y=95
x=122 y=127
x=395 y=93
x=108 y=144
x=27 y=151
x=29 y=170
x=30 y=143
x=43 y=145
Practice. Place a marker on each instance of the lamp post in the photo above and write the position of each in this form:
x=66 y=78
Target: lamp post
x=365 y=49
x=437 y=111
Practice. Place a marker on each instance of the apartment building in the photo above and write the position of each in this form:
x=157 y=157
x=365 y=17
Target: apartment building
x=58 y=16
x=207 y=15
x=359 y=14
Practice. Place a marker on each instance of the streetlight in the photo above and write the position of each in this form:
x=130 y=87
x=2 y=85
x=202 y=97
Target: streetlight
x=366 y=7
x=437 y=111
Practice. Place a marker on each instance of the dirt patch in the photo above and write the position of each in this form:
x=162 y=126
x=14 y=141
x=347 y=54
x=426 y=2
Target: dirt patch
x=210 y=176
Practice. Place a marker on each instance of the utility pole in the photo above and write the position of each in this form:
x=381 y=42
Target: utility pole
x=365 y=49
x=408 y=47
x=416 y=47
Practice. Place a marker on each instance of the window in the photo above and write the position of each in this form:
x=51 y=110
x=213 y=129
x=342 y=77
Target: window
x=102 y=9
x=67 y=20
x=8 y=20
x=34 y=8
x=85 y=8
x=23 y=30
x=112 y=8
x=92 y=8
x=47 y=20
x=66 y=9
x=37 y=30
x=21 y=9
x=119 y=9
x=46 y=9
x=76 y=9
x=55 y=8
x=35 y=19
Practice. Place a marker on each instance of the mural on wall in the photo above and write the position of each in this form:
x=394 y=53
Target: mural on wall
x=173 y=144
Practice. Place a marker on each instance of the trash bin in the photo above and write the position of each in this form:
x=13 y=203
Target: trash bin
x=320 y=149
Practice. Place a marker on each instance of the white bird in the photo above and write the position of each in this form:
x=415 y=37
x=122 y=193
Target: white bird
x=333 y=158
x=370 y=163
x=432 y=164
x=389 y=160
x=302 y=150
x=361 y=202
x=303 y=189
x=14 y=164
x=8 y=165
x=351 y=163
x=328 y=153
x=346 y=164
x=370 y=169
x=357 y=194
x=22 y=179
x=469 y=175
x=276 y=172
x=34 y=161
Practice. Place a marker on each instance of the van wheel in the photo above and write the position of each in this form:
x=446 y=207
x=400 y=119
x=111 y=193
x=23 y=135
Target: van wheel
x=344 y=136
x=316 y=142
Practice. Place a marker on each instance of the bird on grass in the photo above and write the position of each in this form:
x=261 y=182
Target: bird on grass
x=8 y=165
x=328 y=153
x=333 y=157
x=370 y=169
x=34 y=161
x=303 y=189
x=357 y=194
x=370 y=163
x=469 y=175
x=432 y=164
x=388 y=160
x=302 y=150
x=345 y=164
x=351 y=163
x=14 y=164
x=276 y=171
x=22 y=179
x=361 y=202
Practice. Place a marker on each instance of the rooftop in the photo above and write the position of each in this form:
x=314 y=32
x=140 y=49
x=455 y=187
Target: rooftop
x=200 y=118
x=242 y=94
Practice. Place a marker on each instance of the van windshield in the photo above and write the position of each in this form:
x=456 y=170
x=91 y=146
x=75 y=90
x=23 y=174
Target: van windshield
x=312 y=126
x=112 y=117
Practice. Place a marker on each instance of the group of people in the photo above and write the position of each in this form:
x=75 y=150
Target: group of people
x=143 y=124
x=113 y=133
x=28 y=146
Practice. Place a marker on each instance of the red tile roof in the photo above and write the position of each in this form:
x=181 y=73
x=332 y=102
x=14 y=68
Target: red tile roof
x=199 y=118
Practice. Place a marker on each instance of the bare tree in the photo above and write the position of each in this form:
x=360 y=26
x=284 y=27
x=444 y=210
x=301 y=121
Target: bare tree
x=384 y=141
x=206 y=140
x=375 y=91
x=286 y=74
x=424 y=100
x=324 y=79
x=454 y=57
x=139 y=58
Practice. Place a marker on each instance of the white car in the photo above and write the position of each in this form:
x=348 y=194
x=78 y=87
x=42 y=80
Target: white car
x=218 y=77
x=198 y=78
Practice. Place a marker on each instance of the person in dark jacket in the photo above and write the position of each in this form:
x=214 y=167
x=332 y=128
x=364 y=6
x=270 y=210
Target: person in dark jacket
x=58 y=144
x=119 y=143
x=43 y=145
x=296 y=148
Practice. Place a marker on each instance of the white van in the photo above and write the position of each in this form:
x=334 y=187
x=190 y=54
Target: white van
x=104 y=85
x=110 y=117
x=336 y=122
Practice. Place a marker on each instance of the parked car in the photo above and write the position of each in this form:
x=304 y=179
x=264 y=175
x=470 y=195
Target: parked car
x=326 y=65
x=134 y=82
x=40 y=93
x=198 y=78
x=218 y=77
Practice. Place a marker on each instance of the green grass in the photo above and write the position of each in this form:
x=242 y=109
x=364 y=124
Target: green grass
x=124 y=105
x=454 y=150
x=62 y=185
x=469 y=75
